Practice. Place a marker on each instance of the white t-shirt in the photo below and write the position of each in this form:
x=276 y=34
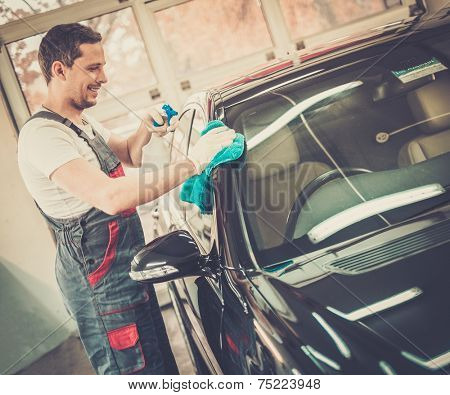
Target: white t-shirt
x=44 y=146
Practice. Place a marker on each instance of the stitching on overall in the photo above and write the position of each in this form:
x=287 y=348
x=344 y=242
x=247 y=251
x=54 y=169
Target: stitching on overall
x=129 y=307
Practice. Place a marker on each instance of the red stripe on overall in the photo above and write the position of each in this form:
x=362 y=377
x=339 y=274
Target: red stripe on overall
x=116 y=173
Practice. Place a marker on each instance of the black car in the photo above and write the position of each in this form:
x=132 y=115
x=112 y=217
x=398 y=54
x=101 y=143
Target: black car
x=328 y=247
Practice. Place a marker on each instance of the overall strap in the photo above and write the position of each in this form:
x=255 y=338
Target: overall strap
x=52 y=116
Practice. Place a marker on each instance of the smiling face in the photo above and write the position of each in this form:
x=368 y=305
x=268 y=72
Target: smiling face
x=86 y=76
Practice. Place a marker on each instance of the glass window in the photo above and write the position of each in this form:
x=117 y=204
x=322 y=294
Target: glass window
x=127 y=123
x=178 y=150
x=307 y=17
x=199 y=223
x=128 y=68
x=198 y=124
x=11 y=10
x=320 y=150
x=24 y=56
x=203 y=33
x=180 y=137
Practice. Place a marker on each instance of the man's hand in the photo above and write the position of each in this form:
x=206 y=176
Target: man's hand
x=159 y=116
x=209 y=145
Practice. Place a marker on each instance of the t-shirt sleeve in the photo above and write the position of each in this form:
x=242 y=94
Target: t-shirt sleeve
x=99 y=128
x=47 y=149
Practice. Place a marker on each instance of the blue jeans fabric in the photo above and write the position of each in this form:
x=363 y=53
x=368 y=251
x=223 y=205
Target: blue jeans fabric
x=107 y=308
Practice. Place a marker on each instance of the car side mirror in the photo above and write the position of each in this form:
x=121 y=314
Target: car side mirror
x=168 y=257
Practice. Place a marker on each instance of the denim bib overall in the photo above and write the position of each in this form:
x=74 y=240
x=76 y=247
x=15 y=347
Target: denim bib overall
x=119 y=320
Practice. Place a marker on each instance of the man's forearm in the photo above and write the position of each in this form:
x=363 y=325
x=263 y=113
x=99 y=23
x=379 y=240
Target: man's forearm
x=132 y=191
x=135 y=144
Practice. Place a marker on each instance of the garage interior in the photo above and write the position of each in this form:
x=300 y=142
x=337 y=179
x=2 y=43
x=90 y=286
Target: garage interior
x=159 y=51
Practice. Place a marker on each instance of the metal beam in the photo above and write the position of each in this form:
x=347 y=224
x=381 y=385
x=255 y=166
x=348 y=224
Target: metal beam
x=13 y=91
x=157 y=52
x=277 y=27
x=42 y=22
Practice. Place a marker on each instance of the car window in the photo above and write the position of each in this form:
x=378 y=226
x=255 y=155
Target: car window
x=178 y=151
x=199 y=223
x=179 y=145
x=325 y=152
x=198 y=124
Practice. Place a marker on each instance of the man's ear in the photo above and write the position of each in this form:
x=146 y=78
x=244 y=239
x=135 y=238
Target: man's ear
x=59 y=70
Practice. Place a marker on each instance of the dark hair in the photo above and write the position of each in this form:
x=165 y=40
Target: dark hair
x=62 y=43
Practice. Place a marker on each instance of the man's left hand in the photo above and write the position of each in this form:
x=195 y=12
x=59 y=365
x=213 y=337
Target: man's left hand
x=159 y=116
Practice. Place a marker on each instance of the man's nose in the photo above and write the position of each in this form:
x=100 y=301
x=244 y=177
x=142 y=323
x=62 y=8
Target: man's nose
x=102 y=77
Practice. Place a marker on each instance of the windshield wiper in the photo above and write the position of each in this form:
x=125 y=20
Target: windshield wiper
x=372 y=207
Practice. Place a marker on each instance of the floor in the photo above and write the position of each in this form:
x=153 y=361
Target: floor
x=69 y=357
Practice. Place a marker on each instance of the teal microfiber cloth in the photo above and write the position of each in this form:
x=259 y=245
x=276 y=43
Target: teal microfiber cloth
x=198 y=189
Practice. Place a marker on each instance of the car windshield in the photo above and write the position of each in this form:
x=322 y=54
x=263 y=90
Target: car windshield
x=347 y=149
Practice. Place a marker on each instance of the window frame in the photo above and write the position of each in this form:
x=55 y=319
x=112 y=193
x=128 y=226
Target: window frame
x=196 y=108
x=206 y=248
x=184 y=149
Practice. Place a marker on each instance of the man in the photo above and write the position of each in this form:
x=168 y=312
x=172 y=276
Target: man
x=72 y=167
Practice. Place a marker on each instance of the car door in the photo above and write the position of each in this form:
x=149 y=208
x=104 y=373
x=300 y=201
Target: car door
x=214 y=309
x=217 y=304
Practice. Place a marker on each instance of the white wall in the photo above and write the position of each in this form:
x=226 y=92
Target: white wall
x=32 y=316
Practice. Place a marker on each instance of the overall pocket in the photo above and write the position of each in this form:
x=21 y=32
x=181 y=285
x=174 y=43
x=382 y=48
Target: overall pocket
x=106 y=249
x=126 y=347
x=97 y=272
